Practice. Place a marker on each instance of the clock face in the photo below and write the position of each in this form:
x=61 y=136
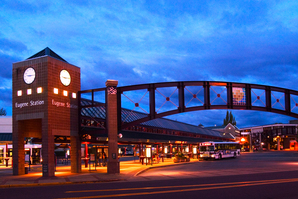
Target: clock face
x=29 y=75
x=65 y=77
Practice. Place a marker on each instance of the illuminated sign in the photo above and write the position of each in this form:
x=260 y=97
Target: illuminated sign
x=206 y=144
x=239 y=96
x=180 y=142
x=27 y=104
x=63 y=104
x=41 y=102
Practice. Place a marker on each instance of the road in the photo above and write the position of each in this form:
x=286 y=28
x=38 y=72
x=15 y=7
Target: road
x=266 y=175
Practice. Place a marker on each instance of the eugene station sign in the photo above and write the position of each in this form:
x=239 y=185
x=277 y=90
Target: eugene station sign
x=41 y=102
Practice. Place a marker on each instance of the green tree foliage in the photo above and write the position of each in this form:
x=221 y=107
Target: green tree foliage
x=2 y=112
x=229 y=119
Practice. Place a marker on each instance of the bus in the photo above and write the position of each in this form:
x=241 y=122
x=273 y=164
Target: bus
x=219 y=150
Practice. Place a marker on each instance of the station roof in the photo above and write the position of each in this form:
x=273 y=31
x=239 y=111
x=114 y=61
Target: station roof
x=5 y=137
x=127 y=115
x=47 y=51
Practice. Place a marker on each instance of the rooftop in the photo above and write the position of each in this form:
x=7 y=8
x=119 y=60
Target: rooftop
x=47 y=51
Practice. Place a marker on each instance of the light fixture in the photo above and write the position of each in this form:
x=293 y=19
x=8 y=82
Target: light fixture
x=65 y=93
x=29 y=91
x=39 y=90
x=74 y=95
x=55 y=90
x=20 y=92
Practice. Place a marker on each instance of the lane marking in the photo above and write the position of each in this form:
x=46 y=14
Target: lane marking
x=212 y=186
x=177 y=186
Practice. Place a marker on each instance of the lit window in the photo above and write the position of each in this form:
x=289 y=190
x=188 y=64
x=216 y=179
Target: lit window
x=55 y=90
x=65 y=93
x=29 y=91
x=20 y=93
x=39 y=90
x=74 y=95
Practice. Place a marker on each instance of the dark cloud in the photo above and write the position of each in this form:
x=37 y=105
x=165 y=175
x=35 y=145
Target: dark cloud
x=7 y=60
x=7 y=44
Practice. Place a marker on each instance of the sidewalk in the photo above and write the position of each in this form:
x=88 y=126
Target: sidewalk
x=128 y=169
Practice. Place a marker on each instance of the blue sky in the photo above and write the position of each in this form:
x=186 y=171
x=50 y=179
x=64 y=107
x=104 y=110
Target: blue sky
x=138 y=42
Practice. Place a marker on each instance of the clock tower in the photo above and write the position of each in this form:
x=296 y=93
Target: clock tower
x=45 y=106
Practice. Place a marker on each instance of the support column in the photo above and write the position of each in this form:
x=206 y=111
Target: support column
x=48 y=159
x=18 y=149
x=112 y=126
x=86 y=159
x=75 y=163
x=6 y=154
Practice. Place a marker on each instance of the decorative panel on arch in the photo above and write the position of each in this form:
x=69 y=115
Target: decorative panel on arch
x=278 y=100
x=218 y=95
x=194 y=96
x=166 y=99
x=294 y=103
x=239 y=96
x=258 y=97
x=135 y=105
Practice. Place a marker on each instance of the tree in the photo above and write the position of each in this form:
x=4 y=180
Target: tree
x=2 y=112
x=229 y=119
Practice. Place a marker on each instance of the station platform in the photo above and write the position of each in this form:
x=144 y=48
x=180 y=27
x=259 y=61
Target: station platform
x=128 y=169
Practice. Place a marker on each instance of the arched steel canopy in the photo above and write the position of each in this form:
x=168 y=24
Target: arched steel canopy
x=239 y=96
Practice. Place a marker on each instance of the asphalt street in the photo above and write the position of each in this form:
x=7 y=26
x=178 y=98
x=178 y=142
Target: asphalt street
x=266 y=175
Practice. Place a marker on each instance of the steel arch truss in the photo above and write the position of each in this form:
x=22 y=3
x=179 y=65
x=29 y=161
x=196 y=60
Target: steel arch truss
x=141 y=103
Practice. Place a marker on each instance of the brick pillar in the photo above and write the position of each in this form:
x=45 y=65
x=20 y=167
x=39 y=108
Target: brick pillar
x=112 y=126
x=75 y=154
x=48 y=147
x=18 y=149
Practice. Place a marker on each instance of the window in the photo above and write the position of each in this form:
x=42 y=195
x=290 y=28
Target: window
x=55 y=90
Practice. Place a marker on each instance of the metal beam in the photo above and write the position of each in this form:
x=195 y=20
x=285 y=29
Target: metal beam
x=206 y=86
x=181 y=97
